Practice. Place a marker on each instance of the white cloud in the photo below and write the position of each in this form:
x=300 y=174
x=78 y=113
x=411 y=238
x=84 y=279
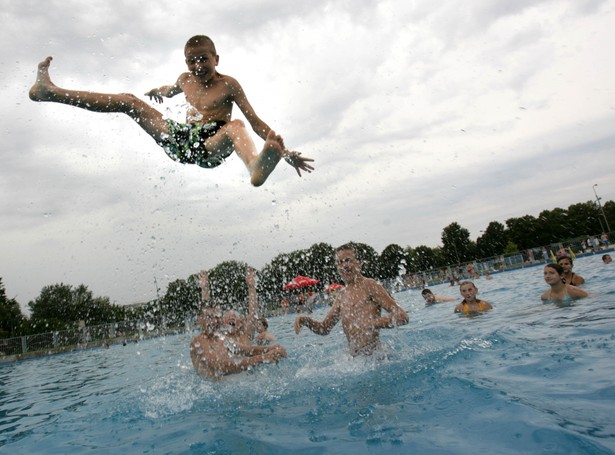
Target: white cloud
x=418 y=114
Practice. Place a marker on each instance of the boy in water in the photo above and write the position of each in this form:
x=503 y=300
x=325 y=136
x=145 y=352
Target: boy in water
x=209 y=136
x=223 y=347
x=359 y=305
x=431 y=298
x=215 y=355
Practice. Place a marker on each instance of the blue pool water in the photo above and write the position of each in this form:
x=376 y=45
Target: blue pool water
x=525 y=378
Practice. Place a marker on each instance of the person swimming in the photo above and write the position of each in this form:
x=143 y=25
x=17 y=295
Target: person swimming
x=470 y=304
x=560 y=291
x=431 y=298
x=571 y=278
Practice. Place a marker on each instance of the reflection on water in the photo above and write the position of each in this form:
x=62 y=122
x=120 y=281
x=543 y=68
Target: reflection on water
x=526 y=377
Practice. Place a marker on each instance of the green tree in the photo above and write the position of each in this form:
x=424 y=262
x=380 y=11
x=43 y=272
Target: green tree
x=181 y=300
x=510 y=248
x=227 y=282
x=392 y=259
x=523 y=231
x=609 y=211
x=493 y=241
x=270 y=282
x=98 y=310
x=583 y=216
x=55 y=308
x=369 y=258
x=553 y=226
x=11 y=318
x=456 y=244
x=60 y=306
x=320 y=262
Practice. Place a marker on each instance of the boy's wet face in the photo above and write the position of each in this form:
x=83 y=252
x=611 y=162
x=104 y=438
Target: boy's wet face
x=201 y=60
x=429 y=297
x=348 y=266
x=231 y=323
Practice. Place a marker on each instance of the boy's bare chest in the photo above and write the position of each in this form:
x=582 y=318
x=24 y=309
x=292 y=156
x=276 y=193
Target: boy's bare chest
x=356 y=307
x=210 y=97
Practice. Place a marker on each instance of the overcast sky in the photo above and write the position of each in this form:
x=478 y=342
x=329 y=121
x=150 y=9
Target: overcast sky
x=418 y=114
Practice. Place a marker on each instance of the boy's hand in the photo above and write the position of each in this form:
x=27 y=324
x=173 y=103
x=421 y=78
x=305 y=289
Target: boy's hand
x=298 y=324
x=155 y=95
x=251 y=277
x=300 y=163
x=203 y=279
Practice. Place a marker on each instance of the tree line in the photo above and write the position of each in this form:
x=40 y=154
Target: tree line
x=62 y=306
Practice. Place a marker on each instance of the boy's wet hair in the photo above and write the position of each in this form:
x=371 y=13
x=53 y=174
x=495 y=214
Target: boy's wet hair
x=199 y=40
x=426 y=291
x=348 y=246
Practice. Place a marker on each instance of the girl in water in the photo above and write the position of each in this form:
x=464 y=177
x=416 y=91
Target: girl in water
x=571 y=278
x=560 y=291
x=470 y=303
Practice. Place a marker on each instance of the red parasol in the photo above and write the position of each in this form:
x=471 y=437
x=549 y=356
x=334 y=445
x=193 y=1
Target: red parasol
x=299 y=282
x=334 y=287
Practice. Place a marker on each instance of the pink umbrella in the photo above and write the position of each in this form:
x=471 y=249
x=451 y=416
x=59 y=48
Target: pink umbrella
x=299 y=282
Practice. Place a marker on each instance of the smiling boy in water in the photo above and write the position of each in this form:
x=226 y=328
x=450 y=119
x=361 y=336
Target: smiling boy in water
x=209 y=136
x=359 y=305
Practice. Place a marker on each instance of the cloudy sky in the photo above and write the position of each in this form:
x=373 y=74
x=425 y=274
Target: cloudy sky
x=418 y=114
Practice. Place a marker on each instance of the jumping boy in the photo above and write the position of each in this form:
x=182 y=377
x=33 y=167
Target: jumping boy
x=209 y=136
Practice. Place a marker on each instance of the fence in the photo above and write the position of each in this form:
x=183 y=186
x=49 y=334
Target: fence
x=81 y=338
x=65 y=340
x=467 y=270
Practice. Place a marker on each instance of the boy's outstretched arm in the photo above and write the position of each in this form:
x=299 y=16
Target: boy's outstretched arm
x=166 y=91
x=300 y=163
x=319 y=327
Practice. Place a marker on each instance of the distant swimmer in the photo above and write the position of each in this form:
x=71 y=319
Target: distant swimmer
x=560 y=291
x=431 y=298
x=209 y=136
x=607 y=259
x=571 y=278
x=359 y=306
x=470 y=304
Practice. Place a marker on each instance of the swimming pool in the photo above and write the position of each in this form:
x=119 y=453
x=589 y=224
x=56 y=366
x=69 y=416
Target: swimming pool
x=524 y=378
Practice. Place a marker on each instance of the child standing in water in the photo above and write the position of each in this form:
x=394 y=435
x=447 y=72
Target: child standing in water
x=209 y=136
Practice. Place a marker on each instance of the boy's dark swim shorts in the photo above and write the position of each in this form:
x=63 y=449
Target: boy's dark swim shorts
x=185 y=143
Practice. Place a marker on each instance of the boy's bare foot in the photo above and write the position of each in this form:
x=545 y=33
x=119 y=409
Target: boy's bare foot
x=268 y=159
x=41 y=90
